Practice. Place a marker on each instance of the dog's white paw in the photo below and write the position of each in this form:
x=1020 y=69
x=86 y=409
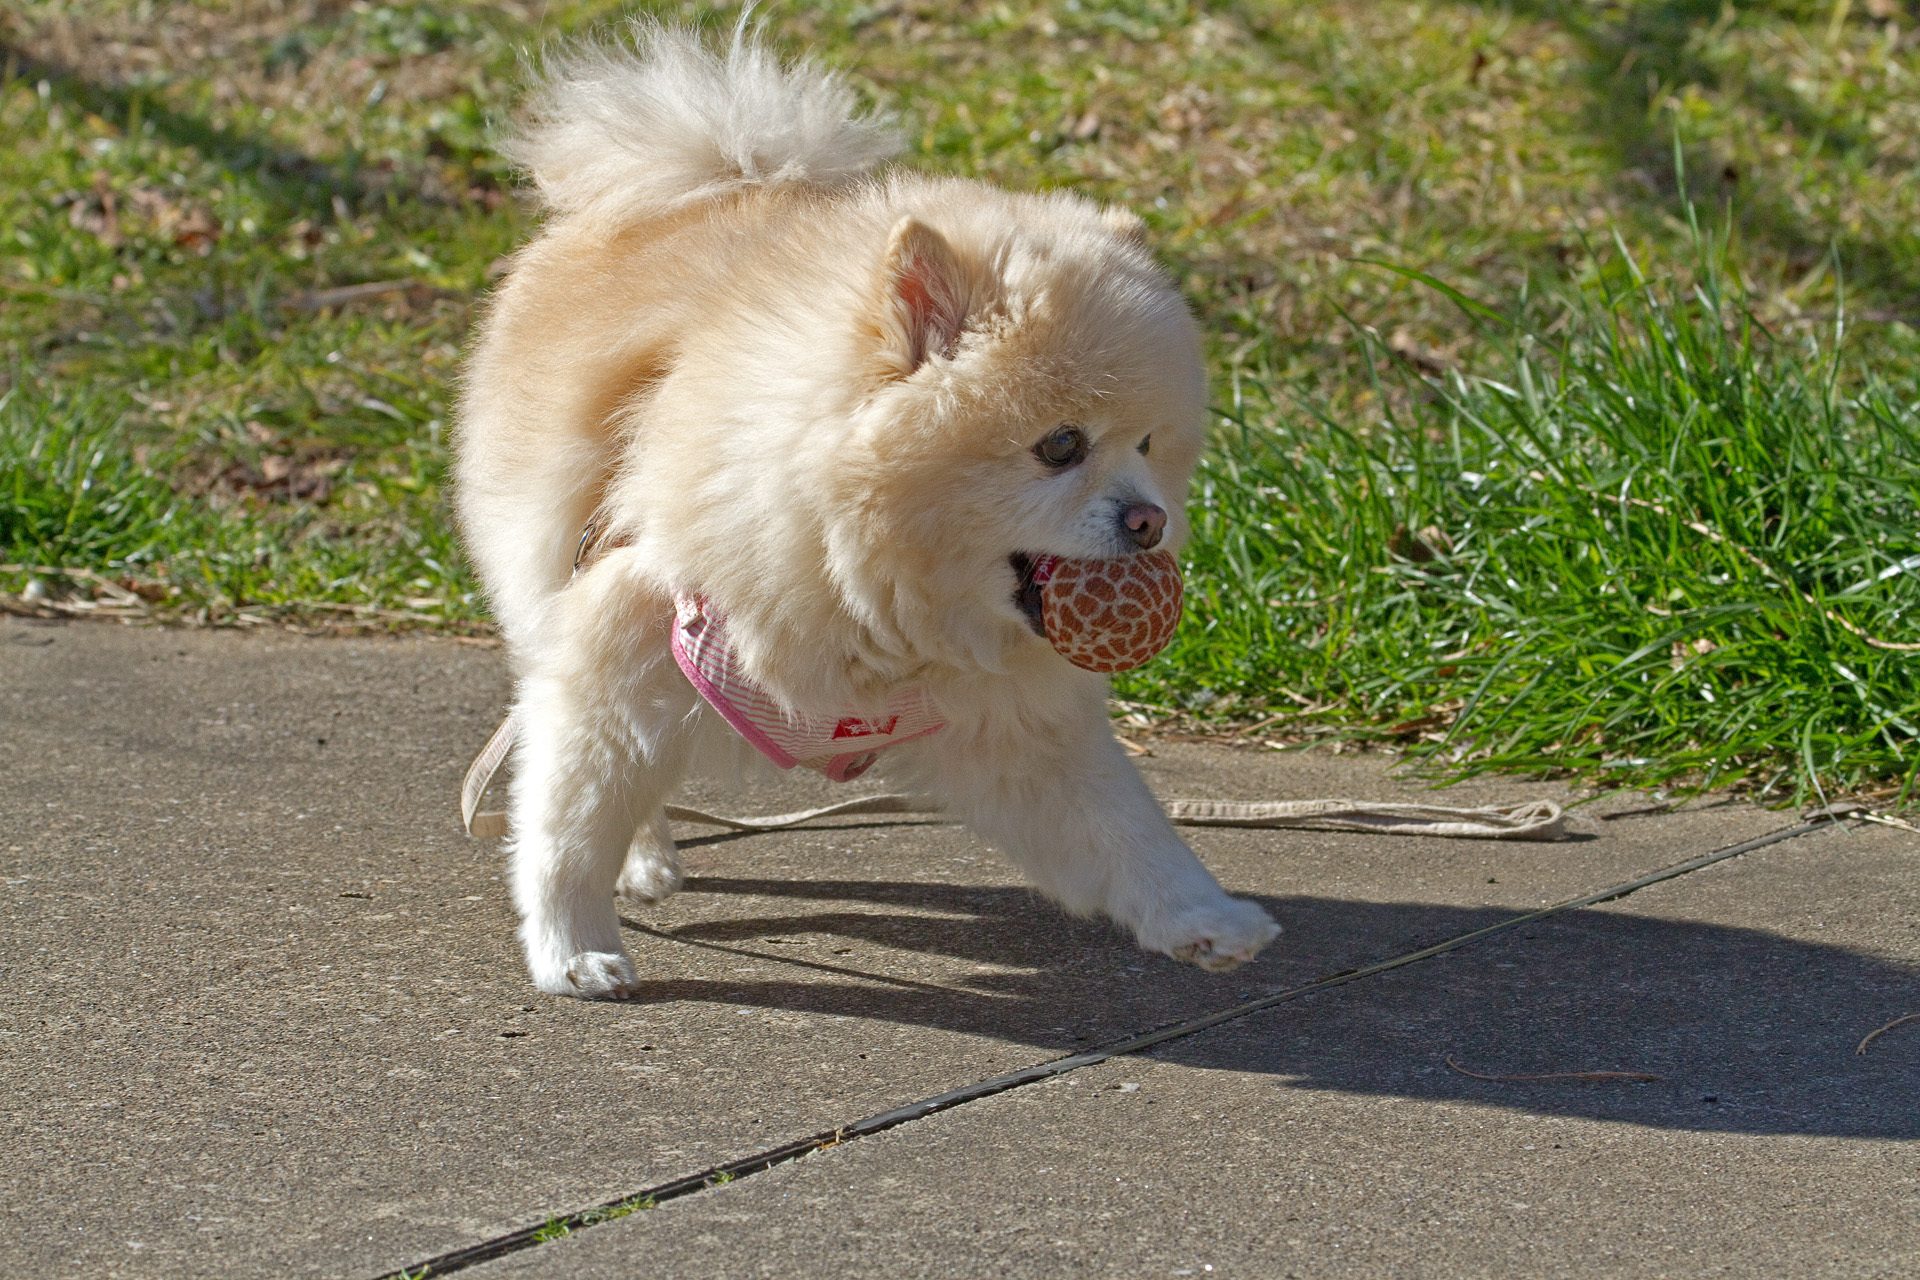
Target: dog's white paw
x=648 y=879
x=1217 y=936
x=598 y=975
x=651 y=872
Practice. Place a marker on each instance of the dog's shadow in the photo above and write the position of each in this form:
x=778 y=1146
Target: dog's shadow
x=1748 y=1031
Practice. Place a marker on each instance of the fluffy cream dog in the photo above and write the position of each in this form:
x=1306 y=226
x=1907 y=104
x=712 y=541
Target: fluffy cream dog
x=847 y=411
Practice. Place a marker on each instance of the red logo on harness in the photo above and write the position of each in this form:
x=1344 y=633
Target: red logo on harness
x=855 y=727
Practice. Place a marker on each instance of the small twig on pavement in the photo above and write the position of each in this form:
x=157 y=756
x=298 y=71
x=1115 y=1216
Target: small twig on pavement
x=1886 y=821
x=1640 y=1076
x=1877 y=1032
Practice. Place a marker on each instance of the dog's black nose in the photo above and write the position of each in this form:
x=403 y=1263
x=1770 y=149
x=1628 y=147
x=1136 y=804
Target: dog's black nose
x=1144 y=523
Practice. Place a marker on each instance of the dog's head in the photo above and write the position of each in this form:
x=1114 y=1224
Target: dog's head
x=1034 y=387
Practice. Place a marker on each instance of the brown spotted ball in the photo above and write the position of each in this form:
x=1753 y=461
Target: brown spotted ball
x=1110 y=615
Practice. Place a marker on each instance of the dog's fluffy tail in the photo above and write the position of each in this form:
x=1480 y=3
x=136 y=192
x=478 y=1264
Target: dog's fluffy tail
x=623 y=131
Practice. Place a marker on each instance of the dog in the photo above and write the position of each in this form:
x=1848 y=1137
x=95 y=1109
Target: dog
x=745 y=381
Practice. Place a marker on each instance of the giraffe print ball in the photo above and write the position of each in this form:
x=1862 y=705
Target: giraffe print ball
x=1109 y=615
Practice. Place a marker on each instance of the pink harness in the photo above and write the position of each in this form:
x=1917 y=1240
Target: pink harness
x=843 y=748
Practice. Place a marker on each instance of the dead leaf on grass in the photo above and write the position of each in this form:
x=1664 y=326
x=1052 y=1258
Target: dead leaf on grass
x=1421 y=548
x=1685 y=651
x=1428 y=361
x=279 y=477
x=188 y=225
x=96 y=211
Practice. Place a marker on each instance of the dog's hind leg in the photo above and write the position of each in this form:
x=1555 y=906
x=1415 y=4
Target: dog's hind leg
x=602 y=709
x=652 y=872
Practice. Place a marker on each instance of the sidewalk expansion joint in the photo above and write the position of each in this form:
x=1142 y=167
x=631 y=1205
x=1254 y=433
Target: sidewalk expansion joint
x=733 y=1170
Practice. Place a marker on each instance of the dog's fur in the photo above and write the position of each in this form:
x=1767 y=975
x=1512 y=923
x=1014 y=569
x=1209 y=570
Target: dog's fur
x=811 y=396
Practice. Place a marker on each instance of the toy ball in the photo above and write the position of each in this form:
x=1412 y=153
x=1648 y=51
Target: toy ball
x=1109 y=615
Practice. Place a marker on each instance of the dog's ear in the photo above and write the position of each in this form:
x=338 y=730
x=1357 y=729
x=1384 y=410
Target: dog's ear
x=1125 y=224
x=924 y=299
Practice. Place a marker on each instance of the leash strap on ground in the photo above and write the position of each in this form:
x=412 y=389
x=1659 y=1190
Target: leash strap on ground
x=781 y=821
x=1534 y=820
x=492 y=825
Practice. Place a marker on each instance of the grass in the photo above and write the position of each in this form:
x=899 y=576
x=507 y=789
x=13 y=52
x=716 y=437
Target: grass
x=79 y=491
x=243 y=241
x=1663 y=548
x=557 y=1227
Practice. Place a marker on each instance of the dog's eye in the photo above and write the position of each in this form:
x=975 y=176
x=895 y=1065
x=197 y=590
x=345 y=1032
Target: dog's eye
x=1146 y=442
x=1062 y=447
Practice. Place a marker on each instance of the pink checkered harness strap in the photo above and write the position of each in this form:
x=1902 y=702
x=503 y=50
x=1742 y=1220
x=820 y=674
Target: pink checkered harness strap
x=842 y=747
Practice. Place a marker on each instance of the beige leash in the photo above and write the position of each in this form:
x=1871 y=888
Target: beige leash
x=1534 y=820
x=493 y=824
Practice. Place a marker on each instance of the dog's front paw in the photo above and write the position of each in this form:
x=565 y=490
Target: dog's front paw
x=595 y=975
x=1216 y=936
x=648 y=879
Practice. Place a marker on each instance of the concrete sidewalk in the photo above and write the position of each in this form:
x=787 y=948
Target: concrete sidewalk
x=263 y=1014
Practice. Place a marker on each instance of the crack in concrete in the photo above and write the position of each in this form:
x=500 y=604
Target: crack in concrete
x=733 y=1170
